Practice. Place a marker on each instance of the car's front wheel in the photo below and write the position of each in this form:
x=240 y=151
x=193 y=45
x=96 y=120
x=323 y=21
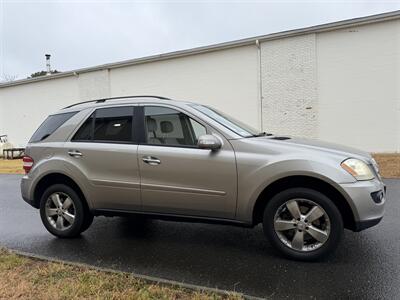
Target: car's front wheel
x=62 y=212
x=303 y=224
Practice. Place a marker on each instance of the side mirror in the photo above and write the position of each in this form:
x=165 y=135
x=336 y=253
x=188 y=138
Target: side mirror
x=209 y=141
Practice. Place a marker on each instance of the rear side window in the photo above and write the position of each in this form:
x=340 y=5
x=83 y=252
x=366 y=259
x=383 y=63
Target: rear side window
x=51 y=124
x=107 y=125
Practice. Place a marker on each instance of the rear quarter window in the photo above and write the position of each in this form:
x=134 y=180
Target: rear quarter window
x=51 y=124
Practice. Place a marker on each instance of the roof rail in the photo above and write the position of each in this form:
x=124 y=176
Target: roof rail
x=116 y=98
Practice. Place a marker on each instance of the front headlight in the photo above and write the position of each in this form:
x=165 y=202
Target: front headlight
x=359 y=169
x=375 y=165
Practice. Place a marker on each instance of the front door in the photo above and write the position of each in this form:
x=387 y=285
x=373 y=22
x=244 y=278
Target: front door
x=179 y=178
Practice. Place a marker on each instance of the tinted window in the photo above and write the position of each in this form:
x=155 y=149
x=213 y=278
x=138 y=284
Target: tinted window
x=49 y=126
x=166 y=126
x=110 y=125
x=84 y=133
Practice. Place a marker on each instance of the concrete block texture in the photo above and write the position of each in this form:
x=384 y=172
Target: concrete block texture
x=289 y=88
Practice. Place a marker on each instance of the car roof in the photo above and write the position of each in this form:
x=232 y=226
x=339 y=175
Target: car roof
x=125 y=100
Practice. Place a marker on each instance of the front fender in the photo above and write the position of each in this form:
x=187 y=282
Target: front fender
x=253 y=182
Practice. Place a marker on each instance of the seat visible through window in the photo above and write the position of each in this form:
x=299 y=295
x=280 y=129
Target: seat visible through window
x=151 y=125
x=167 y=126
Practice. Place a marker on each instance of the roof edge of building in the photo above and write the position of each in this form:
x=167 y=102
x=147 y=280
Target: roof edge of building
x=220 y=46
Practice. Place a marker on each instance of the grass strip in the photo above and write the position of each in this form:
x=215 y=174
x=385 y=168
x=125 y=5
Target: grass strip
x=29 y=278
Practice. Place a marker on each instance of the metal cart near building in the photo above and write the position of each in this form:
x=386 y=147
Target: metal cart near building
x=8 y=151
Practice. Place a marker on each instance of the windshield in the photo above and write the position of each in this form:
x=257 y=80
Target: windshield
x=234 y=125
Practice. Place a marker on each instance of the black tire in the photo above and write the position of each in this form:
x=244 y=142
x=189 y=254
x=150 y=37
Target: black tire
x=336 y=223
x=81 y=220
x=88 y=220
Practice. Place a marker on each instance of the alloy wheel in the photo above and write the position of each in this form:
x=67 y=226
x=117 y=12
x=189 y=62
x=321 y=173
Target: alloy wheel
x=302 y=225
x=60 y=211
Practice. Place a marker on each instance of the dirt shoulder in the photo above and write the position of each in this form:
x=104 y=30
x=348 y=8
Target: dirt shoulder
x=27 y=278
x=389 y=164
x=8 y=166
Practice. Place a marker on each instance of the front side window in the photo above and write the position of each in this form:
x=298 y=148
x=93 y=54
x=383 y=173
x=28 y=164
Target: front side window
x=51 y=124
x=166 y=126
x=107 y=125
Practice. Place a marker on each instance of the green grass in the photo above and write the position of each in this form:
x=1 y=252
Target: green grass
x=27 y=278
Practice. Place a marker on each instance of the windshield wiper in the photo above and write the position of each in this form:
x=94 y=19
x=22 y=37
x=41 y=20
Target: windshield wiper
x=262 y=134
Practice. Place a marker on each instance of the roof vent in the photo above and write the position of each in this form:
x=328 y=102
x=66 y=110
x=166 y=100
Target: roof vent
x=48 y=67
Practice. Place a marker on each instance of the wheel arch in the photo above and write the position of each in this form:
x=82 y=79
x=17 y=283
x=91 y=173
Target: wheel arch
x=305 y=182
x=57 y=178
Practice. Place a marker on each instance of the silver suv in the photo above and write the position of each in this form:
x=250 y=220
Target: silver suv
x=178 y=160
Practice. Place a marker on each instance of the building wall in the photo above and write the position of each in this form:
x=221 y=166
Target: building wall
x=93 y=85
x=24 y=107
x=341 y=86
x=358 y=86
x=225 y=79
x=290 y=100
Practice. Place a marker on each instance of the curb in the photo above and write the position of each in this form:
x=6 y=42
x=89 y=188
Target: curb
x=146 y=278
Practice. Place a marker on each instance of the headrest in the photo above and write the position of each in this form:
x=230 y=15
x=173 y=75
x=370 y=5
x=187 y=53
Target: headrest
x=151 y=124
x=166 y=127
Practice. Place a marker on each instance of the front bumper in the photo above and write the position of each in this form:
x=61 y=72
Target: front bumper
x=361 y=225
x=367 y=209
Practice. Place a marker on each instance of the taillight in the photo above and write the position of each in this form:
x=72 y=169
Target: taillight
x=27 y=163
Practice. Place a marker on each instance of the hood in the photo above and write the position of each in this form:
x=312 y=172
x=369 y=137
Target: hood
x=322 y=146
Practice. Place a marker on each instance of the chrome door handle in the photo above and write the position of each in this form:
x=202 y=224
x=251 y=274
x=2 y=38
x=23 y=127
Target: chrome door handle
x=74 y=153
x=151 y=160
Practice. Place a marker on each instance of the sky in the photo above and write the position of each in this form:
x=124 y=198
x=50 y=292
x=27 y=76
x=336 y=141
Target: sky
x=81 y=34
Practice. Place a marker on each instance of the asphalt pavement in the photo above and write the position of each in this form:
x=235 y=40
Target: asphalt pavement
x=366 y=265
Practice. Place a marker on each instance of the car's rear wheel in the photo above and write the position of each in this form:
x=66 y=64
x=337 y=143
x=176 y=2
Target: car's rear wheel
x=88 y=221
x=303 y=224
x=63 y=213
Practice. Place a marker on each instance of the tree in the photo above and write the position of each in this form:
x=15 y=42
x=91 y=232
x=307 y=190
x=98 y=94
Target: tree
x=42 y=73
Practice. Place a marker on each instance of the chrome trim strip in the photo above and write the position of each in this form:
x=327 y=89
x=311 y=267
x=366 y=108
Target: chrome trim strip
x=110 y=183
x=179 y=189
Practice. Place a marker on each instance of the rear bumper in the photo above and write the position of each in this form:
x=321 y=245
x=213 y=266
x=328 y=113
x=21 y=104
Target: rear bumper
x=27 y=191
x=367 y=200
x=30 y=202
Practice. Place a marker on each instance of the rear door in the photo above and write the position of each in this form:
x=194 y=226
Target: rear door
x=104 y=151
x=176 y=176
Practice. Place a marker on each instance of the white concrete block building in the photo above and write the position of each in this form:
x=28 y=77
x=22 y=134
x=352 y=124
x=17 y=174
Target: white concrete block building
x=338 y=82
